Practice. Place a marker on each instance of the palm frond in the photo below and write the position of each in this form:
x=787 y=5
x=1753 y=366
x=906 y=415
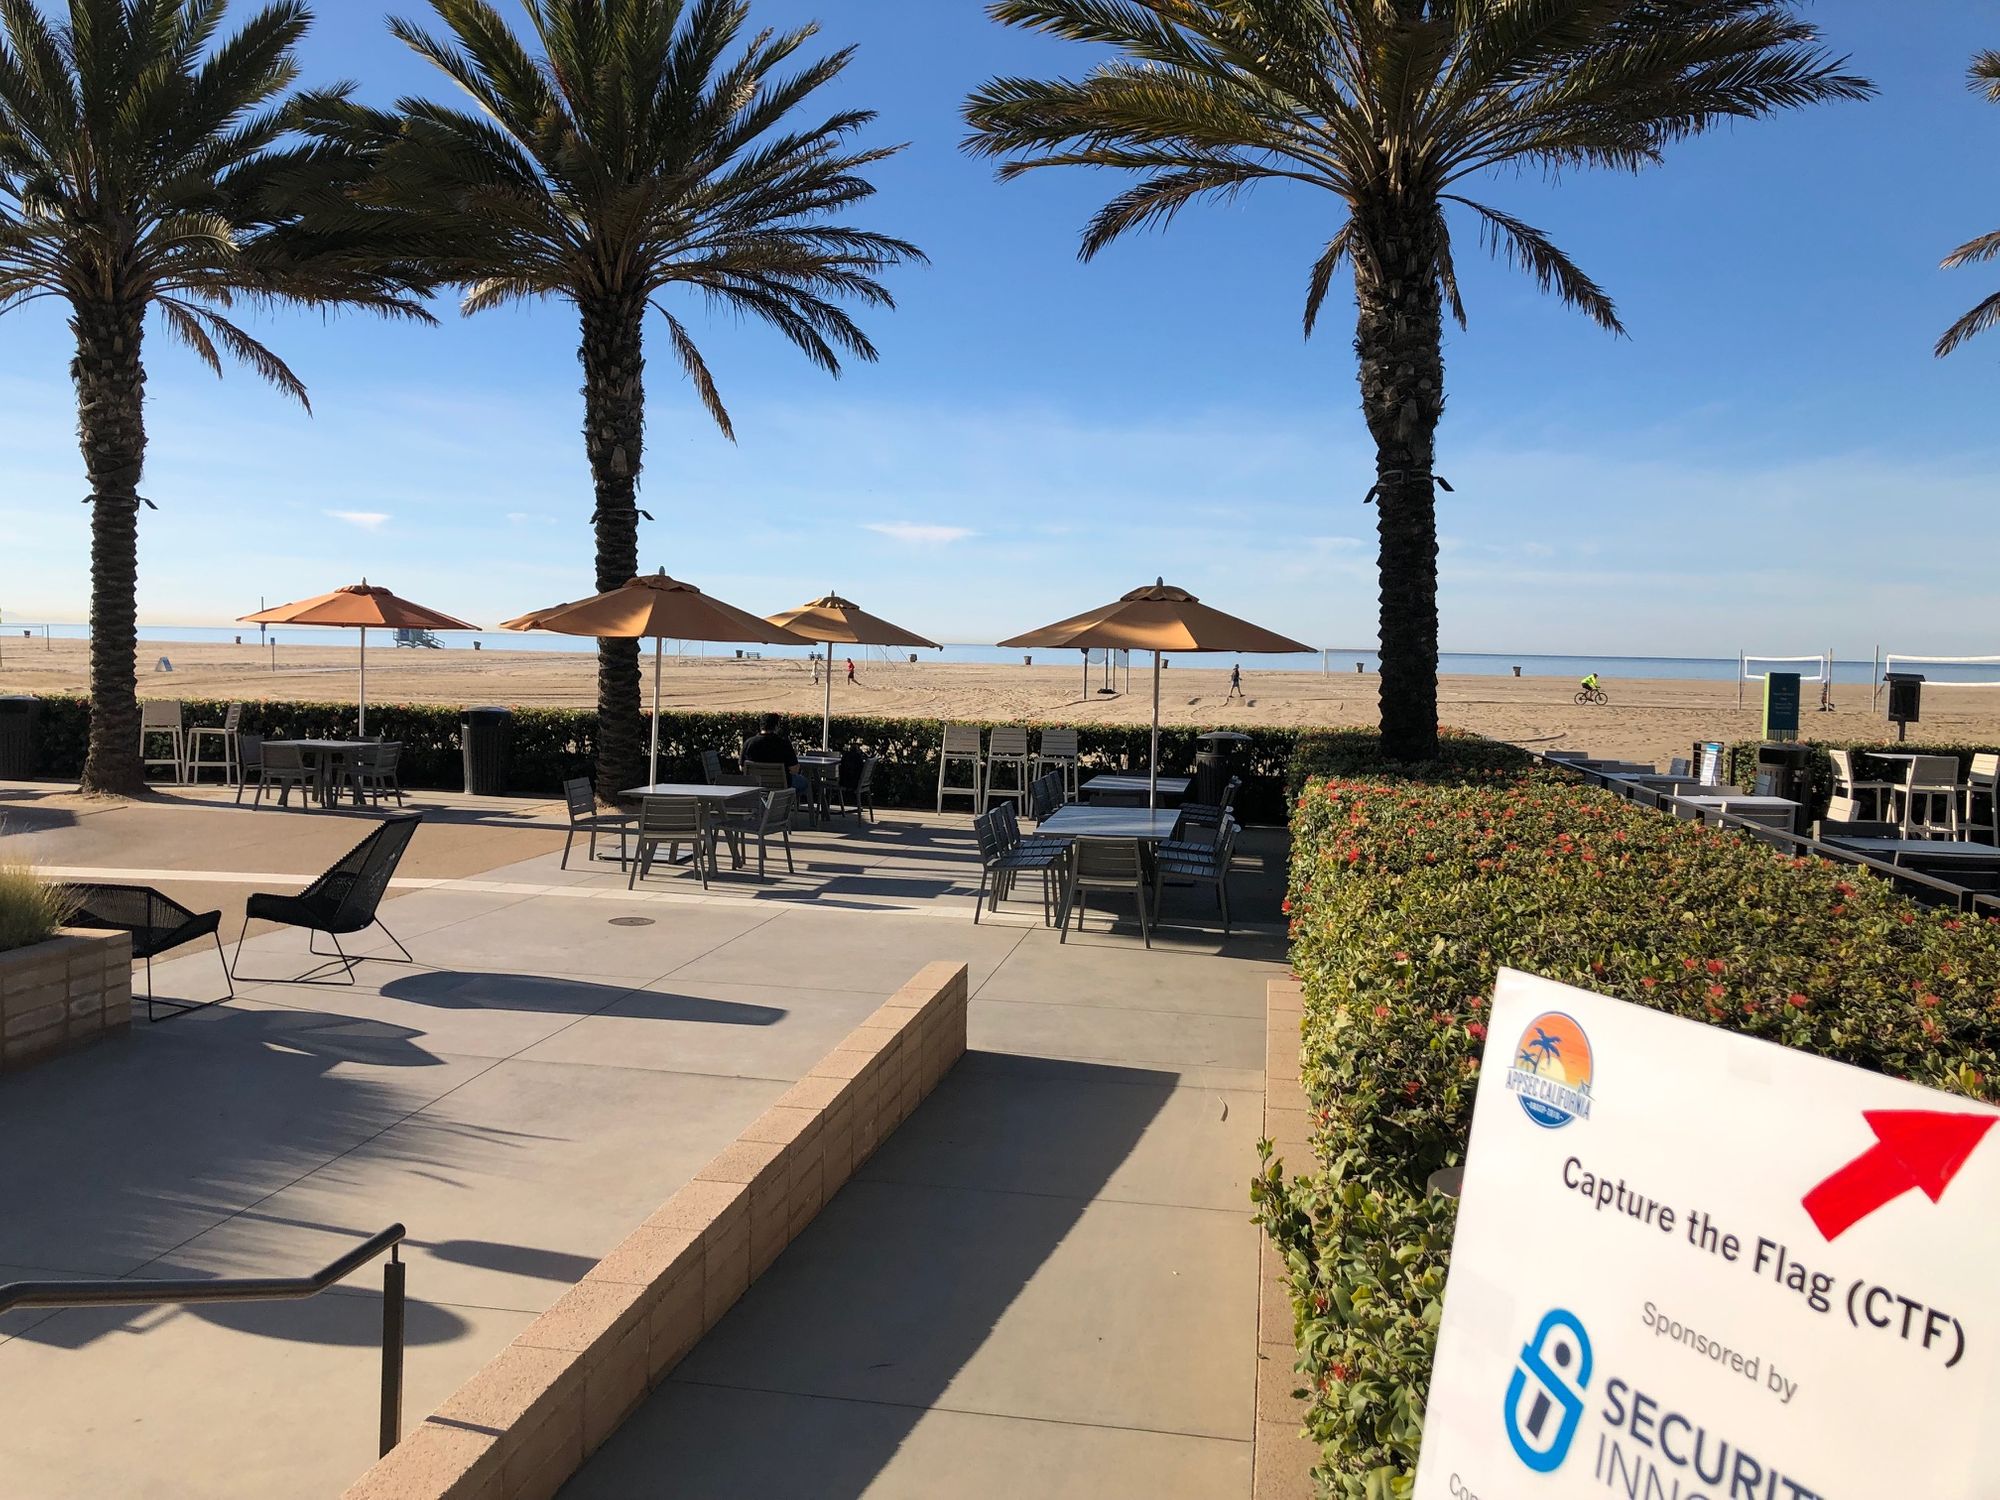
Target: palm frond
x=1526 y=247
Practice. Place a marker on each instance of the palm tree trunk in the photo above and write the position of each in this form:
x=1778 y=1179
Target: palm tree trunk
x=614 y=434
x=111 y=428
x=1399 y=338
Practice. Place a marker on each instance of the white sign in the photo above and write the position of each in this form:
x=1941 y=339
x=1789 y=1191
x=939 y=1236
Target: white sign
x=1694 y=1266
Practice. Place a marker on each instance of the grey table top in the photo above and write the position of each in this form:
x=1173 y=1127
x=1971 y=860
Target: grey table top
x=1170 y=786
x=1078 y=821
x=326 y=744
x=1726 y=799
x=1929 y=848
x=698 y=791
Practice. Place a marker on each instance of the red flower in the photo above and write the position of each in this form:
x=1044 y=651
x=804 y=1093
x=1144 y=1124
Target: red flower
x=1381 y=1012
x=1285 y=905
x=1476 y=1031
x=1797 y=1001
x=1716 y=991
x=1649 y=981
x=1928 y=1002
x=1715 y=966
x=1688 y=963
x=1402 y=957
x=1339 y=1372
x=1412 y=1088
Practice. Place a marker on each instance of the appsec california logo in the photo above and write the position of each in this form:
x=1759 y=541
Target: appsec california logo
x=1551 y=1071
x=1545 y=1395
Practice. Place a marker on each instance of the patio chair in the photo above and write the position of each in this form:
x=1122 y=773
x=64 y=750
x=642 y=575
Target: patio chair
x=586 y=817
x=372 y=773
x=1058 y=748
x=1105 y=865
x=343 y=900
x=1198 y=864
x=249 y=763
x=280 y=768
x=768 y=774
x=1856 y=828
x=759 y=819
x=1006 y=750
x=1209 y=814
x=162 y=716
x=1852 y=798
x=158 y=923
x=672 y=821
x=226 y=738
x=1984 y=781
x=860 y=797
x=1045 y=795
x=1012 y=838
x=1930 y=784
x=999 y=864
x=711 y=766
x=961 y=747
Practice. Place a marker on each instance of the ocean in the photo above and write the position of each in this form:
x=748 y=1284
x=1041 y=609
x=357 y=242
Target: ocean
x=1338 y=660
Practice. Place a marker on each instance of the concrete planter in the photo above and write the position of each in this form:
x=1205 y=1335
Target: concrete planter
x=63 y=994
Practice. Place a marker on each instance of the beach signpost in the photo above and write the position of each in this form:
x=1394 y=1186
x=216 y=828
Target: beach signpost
x=1693 y=1264
x=1781 y=705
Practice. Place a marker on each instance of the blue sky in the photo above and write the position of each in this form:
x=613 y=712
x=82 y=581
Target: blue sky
x=1772 y=461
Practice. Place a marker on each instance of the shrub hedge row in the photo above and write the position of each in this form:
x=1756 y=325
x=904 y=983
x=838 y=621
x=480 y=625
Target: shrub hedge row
x=1408 y=891
x=1743 y=763
x=549 y=745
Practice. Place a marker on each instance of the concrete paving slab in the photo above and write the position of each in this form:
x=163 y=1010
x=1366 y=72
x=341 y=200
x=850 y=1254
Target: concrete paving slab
x=512 y=1186
x=873 y=952
x=1146 y=1038
x=1019 y=1133
x=722 y=1447
x=1109 y=1314
x=556 y=936
x=678 y=1025
x=127 y=1149
x=1046 y=971
x=266 y=1399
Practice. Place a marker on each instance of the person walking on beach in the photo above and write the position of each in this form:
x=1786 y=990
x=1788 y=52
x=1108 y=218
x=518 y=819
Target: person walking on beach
x=850 y=669
x=1235 y=681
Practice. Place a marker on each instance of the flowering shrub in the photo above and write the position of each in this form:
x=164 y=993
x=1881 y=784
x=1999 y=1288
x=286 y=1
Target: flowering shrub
x=1408 y=891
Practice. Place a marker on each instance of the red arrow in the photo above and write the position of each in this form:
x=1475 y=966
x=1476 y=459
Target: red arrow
x=1914 y=1148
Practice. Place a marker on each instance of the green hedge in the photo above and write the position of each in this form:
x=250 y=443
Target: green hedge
x=552 y=744
x=1743 y=763
x=1409 y=890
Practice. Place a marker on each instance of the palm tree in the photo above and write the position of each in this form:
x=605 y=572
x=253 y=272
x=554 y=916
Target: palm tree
x=642 y=145
x=145 y=169
x=1549 y=1047
x=1391 y=105
x=1982 y=77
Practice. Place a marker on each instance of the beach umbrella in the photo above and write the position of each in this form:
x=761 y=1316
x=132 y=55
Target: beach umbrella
x=1158 y=619
x=359 y=606
x=834 y=621
x=657 y=608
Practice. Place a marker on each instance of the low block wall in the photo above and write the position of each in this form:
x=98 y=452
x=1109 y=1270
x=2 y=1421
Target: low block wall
x=1283 y=1456
x=63 y=994
x=526 y=1422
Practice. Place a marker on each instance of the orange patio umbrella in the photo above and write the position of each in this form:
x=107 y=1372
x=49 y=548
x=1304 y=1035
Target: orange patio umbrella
x=1157 y=619
x=835 y=621
x=657 y=608
x=359 y=606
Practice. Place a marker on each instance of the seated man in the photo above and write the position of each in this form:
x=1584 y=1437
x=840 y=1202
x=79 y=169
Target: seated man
x=773 y=747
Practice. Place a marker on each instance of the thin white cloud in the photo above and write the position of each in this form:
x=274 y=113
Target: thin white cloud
x=367 y=520
x=919 y=533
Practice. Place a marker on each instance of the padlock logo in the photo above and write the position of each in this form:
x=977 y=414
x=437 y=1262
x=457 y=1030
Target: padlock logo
x=1545 y=1397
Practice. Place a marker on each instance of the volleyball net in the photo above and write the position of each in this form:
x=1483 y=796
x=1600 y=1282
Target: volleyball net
x=1946 y=671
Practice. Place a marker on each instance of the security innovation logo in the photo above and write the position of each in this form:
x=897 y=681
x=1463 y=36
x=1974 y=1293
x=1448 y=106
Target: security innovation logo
x=1551 y=1070
x=1545 y=1395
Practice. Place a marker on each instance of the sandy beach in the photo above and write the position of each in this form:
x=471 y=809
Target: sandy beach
x=1645 y=720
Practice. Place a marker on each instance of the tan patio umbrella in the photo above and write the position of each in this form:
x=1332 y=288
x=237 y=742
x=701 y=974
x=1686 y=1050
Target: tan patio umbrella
x=1157 y=619
x=835 y=621
x=362 y=606
x=657 y=608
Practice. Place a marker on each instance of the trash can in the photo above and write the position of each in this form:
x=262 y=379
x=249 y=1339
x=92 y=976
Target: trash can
x=486 y=736
x=1784 y=769
x=18 y=716
x=1215 y=763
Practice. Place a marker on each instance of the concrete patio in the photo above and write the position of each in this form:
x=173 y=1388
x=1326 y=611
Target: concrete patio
x=1047 y=1276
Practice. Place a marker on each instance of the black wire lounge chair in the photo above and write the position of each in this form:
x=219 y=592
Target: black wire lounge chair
x=343 y=900
x=157 y=923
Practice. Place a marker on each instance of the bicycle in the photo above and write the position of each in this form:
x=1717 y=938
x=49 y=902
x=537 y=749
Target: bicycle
x=1592 y=695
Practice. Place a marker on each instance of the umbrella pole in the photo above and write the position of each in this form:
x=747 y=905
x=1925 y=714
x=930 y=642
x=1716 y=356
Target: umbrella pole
x=826 y=723
x=361 y=719
x=653 y=756
x=1153 y=787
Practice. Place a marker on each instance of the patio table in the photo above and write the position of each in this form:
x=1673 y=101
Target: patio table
x=819 y=766
x=1171 y=787
x=322 y=754
x=1940 y=851
x=697 y=791
x=1077 y=821
x=1775 y=812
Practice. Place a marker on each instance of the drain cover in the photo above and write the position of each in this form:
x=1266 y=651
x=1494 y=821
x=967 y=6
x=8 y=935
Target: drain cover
x=631 y=921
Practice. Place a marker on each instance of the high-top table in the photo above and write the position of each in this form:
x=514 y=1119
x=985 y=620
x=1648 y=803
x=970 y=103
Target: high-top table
x=1172 y=788
x=1077 y=821
x=322 y=754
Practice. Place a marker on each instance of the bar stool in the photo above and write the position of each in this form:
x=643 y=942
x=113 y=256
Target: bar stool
x=226 y=737
x=162 y=716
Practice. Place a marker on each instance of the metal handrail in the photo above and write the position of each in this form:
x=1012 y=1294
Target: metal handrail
x=15 y=1294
